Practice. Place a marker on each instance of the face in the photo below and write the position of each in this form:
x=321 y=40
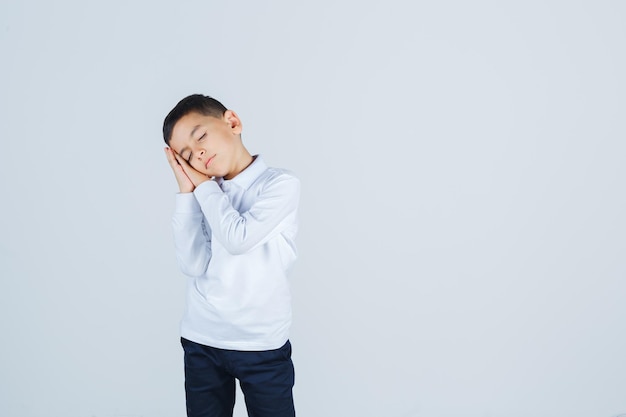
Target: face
x=207 y=143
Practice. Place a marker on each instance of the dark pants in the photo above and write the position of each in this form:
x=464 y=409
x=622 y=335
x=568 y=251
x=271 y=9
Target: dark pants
x=266 y=379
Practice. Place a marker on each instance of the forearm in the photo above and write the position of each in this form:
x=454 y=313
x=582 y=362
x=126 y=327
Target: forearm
x=192 y=237
x=241 y=232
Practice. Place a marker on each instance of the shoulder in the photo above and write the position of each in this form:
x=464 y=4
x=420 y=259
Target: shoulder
x=279 y=178
x=281 y=174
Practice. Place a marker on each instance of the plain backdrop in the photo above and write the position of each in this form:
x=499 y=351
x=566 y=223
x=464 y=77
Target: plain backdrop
x=462 y=231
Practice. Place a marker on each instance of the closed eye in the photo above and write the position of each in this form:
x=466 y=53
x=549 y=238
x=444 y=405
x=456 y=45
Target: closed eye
x=201 y=137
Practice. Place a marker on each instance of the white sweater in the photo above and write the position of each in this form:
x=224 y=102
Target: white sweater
x=235 y=241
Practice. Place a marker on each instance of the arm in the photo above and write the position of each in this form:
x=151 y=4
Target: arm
x=241 y=232
x=192 y=236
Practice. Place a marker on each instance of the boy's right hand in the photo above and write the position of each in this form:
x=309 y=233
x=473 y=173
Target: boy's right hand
x=184 y=183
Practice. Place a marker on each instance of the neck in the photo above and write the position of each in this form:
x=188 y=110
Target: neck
x=243 y=161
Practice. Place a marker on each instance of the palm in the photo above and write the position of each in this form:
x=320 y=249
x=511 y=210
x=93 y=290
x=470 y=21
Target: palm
x=185 y=184
x=193 y=174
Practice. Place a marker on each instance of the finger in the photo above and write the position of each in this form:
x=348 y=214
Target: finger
x=176 y=166
x=169 y=154
x=170 y=157
x=180 y=159
x=182 y=162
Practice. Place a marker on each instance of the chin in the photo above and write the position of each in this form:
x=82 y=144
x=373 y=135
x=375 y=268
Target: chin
x=217 y=173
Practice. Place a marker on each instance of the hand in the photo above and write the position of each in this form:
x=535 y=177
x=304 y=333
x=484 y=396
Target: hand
x=192 y=178
x=193 y=174
x=184 y=182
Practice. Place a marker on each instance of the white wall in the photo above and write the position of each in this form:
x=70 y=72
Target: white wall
x=462 y=228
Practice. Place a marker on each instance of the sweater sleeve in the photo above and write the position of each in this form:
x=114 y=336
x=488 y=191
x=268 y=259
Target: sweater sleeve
x=192 y=236
x=242 y=232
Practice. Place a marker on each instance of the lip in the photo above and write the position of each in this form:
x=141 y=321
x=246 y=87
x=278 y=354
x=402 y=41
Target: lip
x=209 y=161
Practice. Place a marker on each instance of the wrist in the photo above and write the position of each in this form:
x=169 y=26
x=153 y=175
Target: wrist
x=203 y=180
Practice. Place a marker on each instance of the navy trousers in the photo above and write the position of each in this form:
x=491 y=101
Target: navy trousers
x=266 y=379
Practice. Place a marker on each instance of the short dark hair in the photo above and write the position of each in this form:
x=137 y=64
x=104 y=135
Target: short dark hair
x=195 y=103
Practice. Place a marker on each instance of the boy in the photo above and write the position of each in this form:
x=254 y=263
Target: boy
x=234 y=229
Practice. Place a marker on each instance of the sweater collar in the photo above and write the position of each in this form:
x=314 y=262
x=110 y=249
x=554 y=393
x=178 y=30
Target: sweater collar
x=247 y=177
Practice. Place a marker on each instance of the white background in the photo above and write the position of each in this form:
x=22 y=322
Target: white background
x=462 y=219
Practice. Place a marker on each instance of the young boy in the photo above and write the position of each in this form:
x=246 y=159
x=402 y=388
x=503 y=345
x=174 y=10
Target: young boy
x=234 y=229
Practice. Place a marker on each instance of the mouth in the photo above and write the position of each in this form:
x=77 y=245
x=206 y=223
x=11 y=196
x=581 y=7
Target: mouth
x=209 y=161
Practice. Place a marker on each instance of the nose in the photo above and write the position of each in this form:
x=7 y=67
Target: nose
x=201 y=153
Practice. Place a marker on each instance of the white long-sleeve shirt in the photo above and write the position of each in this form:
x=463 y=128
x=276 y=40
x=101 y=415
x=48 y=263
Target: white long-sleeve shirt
x=234 y=240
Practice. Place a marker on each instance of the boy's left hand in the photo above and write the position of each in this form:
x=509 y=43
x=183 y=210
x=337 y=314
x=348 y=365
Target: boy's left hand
x=195 y=176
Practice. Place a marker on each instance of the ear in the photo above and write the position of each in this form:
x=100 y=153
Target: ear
x=233 y=121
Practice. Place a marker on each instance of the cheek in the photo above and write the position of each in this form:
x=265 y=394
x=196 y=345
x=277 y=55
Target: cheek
x=197 y=165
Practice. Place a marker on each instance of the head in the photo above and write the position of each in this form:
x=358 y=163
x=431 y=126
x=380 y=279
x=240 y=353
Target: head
x=207 y=135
